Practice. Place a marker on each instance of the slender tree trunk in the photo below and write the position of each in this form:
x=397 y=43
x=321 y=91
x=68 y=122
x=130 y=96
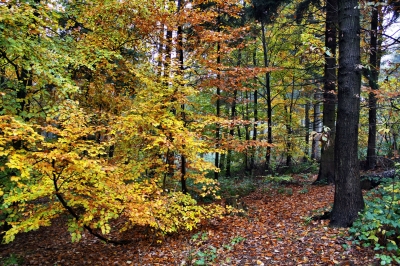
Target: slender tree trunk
x=170 y=156
x=307 y=127
x=317 y=126
x=289 y=128
x=348 y=200
x=233 y=117
x=289 y=132
x=218 y=128
x=247 y=133
x=231 y=134
x=394 y=145
x=2 y=82
x=373 y=83
x=327 y=165
x=269 y=100
x=183 y=114
x=255 y=108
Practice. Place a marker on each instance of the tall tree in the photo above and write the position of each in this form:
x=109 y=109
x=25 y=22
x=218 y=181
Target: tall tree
x=348 y=197
x=327 y=165
x=374 y=60
x=383 y=15
x=264 y=11
x=268 y=96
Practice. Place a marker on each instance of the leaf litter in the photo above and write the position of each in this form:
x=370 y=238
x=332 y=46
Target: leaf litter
x=276 y=229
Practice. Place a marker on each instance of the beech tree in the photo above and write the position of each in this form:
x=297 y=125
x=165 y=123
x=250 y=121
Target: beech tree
x=348 y=197
x=95 y=122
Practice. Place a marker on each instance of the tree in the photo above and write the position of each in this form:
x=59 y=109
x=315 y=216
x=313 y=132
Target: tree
x=90 y=89
x=264 y=11
x=317 y=127
x=348 y=197
x=327 y=165
x=374 y=61
x=378 y=23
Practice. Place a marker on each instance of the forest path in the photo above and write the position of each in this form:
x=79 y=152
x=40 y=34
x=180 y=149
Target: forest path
x=276 y=230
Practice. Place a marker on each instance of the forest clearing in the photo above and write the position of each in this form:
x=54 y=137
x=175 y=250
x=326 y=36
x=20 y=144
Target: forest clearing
x=199 y=132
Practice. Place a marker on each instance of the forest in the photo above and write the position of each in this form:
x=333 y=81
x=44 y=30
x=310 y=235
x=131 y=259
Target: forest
x=199 y=132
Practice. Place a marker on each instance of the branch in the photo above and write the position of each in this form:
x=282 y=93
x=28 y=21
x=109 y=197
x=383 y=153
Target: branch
x=384 y=35
x=76 y=216
x=11 y=62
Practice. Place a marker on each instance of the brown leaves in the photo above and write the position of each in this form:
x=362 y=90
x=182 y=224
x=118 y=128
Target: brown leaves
x=275 y=229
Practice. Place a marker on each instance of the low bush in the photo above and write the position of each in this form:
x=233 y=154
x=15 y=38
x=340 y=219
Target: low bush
x=203 y=253
x=236 y=186
x=379 y=225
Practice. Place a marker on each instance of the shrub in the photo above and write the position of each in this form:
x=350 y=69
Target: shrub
x=236 y=187
x=379 y=225
x=203 y=253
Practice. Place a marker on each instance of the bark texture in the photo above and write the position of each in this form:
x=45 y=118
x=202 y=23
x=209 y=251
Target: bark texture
x=317 y=127
x=327 y=165
x=348 y=197
x=372 y=76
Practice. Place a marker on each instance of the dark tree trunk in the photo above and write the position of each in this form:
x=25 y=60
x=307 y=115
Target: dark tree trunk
x=289 y=128
x=247 y=132
x=233 y=117
x=373 y=83
x=183 y=114
x=327 y=165
x=255 y=96
x=307 y=127
x=232 y=135
x=348 y=197
x=218 y=129
x=169 y=155
x=269 y=100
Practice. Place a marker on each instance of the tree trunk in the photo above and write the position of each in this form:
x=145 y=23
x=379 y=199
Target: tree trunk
x=289 y=128
x=327 y=165
x=247 y=133
x=218 y=128
x=317 y=127
x=348 y=197
x=233 y=117
x=307 y=127
x=255 y=96
x=231 y=134
x=183 y=114
x=372 y=76
x=269 y=100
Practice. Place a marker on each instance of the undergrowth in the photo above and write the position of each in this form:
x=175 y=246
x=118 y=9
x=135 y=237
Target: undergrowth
x=236 y=186
x=203 y=253
x=12 y=260
x=379 y=224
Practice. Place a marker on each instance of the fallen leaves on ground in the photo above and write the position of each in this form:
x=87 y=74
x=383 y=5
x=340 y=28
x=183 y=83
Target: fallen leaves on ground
x=276 y=228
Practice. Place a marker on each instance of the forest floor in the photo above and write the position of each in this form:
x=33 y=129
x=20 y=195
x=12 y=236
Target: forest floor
x=276 y=229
